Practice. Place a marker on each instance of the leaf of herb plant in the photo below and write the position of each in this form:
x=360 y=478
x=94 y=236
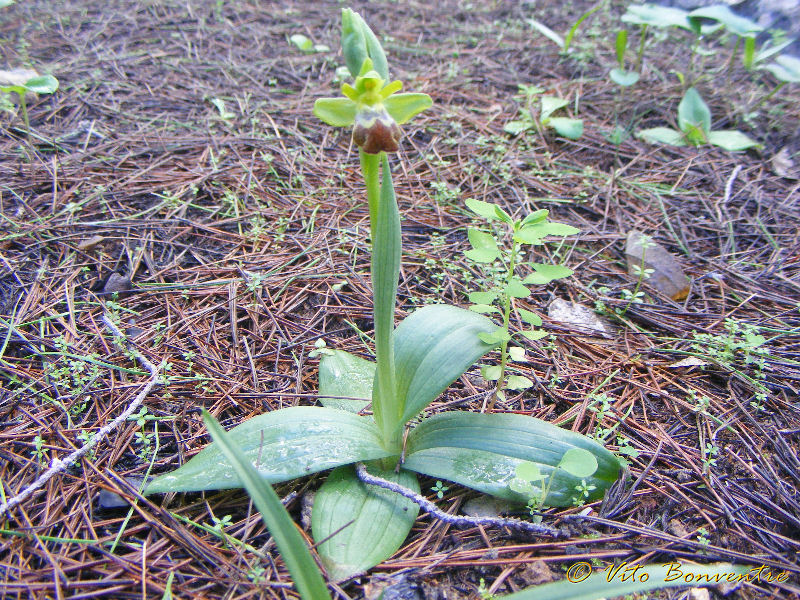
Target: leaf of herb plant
x=662 y=135
x=529 y=317
x=361 y=525
x=574 y=29
x=546 y=273
x=534 y=334
x=535 y=217
x=578 y=462
x=484 y=309
x=732 y=141
x=516 y=289
x=491 y=372
x=482 y=297
x=44 y=84
x=518 y=382
x=550 y=104
x=623 y=77
x=302 y=42
x=483 y=452
x=481 y=208
x=304 y=571
x=344 y=376
x=533 y=234
x=741 y=26
x=569 y=128
x=434 y=346
x=484 y=246
x=693 y=112
x=517 y=354
x=496 y=337
x=597 y=585
x=517 y=127
x=283 y=444
x=657 y=16
x=503 y=215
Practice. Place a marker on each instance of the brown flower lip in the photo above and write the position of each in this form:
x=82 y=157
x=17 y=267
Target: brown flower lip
x=376 y=131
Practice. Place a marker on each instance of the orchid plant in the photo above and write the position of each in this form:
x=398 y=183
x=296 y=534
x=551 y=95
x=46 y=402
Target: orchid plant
x=356 y=527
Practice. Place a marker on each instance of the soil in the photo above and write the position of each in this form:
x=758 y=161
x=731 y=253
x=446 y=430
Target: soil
x=178 y=182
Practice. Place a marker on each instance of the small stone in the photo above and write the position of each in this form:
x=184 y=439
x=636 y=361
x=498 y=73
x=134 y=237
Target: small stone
x=667 y=276
x=118 y=284
x=306 y=508
x=108 y=500
x=90 y=244
x=699 y=594
x=582 y=318
x=537 y=573
x=486 y=506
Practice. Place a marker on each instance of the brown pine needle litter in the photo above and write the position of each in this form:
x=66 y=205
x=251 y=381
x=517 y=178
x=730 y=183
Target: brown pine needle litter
x=178 y=186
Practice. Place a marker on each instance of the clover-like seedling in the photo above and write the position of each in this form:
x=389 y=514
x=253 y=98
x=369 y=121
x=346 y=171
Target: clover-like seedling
x=567 y=127
x=694 y=121
x=22 y=81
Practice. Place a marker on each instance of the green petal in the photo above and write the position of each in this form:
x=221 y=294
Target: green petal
x=391 y=88
x=339 y=112
x=404 y=106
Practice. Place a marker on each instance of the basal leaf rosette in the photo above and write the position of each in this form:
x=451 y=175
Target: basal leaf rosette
x=374 y=108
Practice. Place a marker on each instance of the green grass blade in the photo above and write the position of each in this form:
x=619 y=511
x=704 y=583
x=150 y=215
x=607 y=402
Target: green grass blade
x=574 y=29
x=305 y=572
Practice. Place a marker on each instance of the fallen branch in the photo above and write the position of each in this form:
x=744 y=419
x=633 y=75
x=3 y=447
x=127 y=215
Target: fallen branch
x=430 y=508
x=59 y=466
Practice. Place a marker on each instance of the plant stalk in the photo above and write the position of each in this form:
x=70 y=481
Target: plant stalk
x=640 y=53
x=506 y=321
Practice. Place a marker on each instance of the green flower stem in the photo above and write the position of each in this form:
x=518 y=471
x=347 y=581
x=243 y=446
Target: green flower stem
x=385 y=228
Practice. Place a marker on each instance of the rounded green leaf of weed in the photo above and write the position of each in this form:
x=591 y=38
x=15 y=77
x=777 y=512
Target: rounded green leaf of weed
x=732 y=141
x=401 y=107
x=662 y=135
x=482 y=297
x=547 y=273
x=623 y=77
x=657 y=16
x=481 y=208
x=529 y=317
x=528 y=471
x=693 y=111
x=569 y=128
x=518 y=382
x=44 y=84
x=302 y=42
x=338 y=112
x=535 y=217
x=491 y=372
x=517 y=127
x=579 y=462
x=517 y=354
x=534 y=334
x=516 y=289
x=484 y=309
x=550 y=104
x=785 y=68
x=734 y=23
x=484 y=246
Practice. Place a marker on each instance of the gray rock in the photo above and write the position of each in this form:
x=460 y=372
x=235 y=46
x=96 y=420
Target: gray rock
x=667 y=276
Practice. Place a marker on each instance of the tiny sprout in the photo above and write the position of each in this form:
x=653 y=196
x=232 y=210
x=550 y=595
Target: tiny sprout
x=440 y=489
x=22 y=81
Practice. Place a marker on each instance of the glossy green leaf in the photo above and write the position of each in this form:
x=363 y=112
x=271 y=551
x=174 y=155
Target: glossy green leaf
x=482 y=209
x=338 y=112
x=734 y=23
x=483 y=452
x=732 y=141
x=283 y=444
x=599 y=586
x=432 y=348
x=693 y=112
x=401 y=107
x=358 y=526
x=550 y=104
x=484 y=246
x=569 y=128
x=44 y=84
x=344 y=377
x=529 y=317
x=662 y=135
x=623 y=77
x=658 y=16
x=547 y=32
x=304 y=571
x=544 y=273
x=516 y=289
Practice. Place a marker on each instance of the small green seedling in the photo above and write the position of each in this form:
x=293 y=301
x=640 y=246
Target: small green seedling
x=694 y=121
x=498 y=299
x=563 y=42
x=786 y=69
x=741 y=27
x=22 y=81
x=304 y=44
x=569 y=128
x=652 y=15
x=619 y=75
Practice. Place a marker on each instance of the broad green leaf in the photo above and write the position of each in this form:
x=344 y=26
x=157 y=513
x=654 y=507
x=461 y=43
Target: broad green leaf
x=481 y=208
x=344 y=377
x=518 y=382
x=354 y=43
x=283 y=444
x=517 y=127
x=44 y=84
x=533 y=234
x=569 y=128
x=662 y=135
x=529 y=317
x=302 y=42
x=734 y=23
x=535 y=217
x=658 y=16
x=578 y=462
x=623 y=77
x=693 y=111
x=483 y=452
x=547 y=32
x=304 y=571
x=484 y=309
x=484 y=246
x=546 y=273
x=534 y=335
x=358 y=526
x=732 y=141
x=574 y=29
x=401 y=107
x=433 y=347
x=516 y=289
x=338 y=112
x=620 y=45
x=517 y=354
x=528 y=471
x=600 y=585
x=550 y=104
x=491 y=372
x=482 y=297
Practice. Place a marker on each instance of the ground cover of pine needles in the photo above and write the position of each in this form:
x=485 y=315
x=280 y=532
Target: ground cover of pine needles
x=178 y=182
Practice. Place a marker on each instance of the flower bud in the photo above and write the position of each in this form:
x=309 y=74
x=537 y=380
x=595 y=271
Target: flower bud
x=374 y=130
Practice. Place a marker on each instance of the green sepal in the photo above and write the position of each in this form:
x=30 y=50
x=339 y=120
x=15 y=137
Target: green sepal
x=358 y=526
x=401 y=107
x=283 y=444
x=338 y=112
